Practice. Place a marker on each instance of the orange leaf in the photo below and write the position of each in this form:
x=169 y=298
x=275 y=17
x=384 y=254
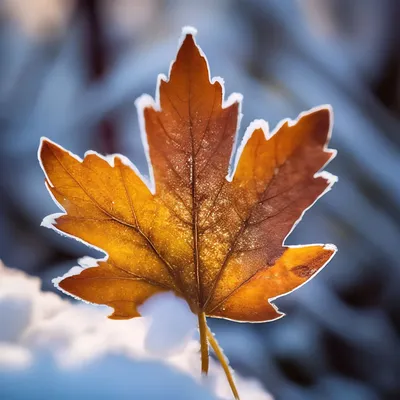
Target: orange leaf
x=214 y=238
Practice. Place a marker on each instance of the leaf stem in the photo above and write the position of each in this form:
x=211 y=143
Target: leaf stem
x=203 y=328
x=224 y=362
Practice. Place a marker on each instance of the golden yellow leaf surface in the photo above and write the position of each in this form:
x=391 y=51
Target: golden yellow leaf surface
x=212 y=236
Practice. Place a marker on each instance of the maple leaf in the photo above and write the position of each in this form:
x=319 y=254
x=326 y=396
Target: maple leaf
x=214 y=237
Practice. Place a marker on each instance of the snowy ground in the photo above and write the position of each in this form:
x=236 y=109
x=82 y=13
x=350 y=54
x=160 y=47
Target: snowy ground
x=53 y=349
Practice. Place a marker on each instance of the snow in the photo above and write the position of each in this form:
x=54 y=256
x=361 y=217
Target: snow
x=51 y=348
x=167 y=313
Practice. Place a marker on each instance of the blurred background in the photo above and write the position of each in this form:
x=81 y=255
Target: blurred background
x=72 y=69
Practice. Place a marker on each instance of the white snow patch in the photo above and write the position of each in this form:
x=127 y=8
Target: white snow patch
x=165 y=312
x=73 y=351
x=13 y=357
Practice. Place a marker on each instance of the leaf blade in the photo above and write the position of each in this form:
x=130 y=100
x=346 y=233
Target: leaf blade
x=95 y=285
x=201 y=233
x=250 y=301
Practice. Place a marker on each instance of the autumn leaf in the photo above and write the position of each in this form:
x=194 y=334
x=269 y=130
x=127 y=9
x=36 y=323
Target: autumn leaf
x=213 y=236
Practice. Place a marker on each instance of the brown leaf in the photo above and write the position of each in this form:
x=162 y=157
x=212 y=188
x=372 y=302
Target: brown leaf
x=214 y=238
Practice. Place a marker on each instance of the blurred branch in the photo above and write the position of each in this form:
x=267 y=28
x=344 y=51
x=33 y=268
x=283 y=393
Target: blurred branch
x=98 y=63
